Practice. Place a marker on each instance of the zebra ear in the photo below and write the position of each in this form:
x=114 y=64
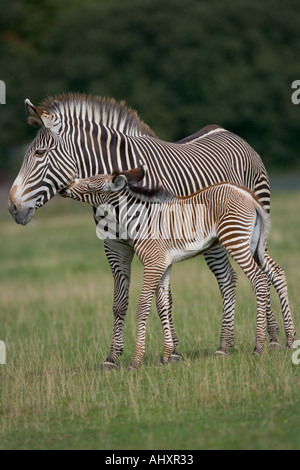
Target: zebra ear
x=135 y=175
x=117 y=183
x=38 y=116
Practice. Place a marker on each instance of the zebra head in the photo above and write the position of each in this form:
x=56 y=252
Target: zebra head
x=47 y=167
x=97 y=189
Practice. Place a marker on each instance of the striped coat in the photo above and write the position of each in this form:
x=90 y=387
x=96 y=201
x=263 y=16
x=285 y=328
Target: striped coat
x=81 y=136
x=168 y=229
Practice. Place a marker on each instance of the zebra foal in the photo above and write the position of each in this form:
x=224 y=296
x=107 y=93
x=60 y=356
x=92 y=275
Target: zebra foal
x=181 y=228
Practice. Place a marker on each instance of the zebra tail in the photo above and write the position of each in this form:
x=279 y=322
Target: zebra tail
x=260 y=233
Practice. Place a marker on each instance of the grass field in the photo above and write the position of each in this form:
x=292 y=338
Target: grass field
x=56 y=294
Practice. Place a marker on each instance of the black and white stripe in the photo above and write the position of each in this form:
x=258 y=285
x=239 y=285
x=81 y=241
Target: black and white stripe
x=185 y=227
x=84 y=136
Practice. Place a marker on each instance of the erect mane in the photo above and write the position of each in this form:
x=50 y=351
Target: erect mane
x=144 y=193
x=105 y=111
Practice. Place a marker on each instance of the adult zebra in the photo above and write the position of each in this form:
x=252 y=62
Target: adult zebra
x=81 y=136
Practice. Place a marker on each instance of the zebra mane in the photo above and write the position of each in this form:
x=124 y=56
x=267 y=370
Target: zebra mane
x=144 y=193
x=107 y=111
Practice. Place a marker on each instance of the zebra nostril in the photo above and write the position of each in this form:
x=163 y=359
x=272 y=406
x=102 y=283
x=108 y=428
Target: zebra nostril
x=21 y=215
x=13 y=209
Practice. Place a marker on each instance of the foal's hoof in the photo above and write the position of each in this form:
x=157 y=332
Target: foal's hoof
x=132 y=367
x=274 y=345
x=174 y=358
x=221 y=353
x=107 y=365
x=257 y=352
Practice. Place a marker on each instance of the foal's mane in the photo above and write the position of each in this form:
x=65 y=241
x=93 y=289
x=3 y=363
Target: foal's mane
x=143 y=193
x=160 y=194
x=106 y=111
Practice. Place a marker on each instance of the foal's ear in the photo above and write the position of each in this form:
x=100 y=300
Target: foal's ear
x=116 y=183
x=135 y=175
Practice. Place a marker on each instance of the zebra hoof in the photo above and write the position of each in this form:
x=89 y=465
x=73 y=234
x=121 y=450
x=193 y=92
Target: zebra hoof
x=220 y=353
x=256 y=352
x=132 y=367
x=107 y=365
x=163 y=362
x=174 y=358
x=274 y=345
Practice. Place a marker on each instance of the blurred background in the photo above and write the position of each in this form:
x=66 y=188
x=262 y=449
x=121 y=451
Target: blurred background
x=181 y=65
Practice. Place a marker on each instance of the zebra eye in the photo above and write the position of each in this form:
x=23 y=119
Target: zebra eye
x=40 y=152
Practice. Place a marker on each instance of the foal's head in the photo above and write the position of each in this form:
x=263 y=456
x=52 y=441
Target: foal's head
x=97 y=189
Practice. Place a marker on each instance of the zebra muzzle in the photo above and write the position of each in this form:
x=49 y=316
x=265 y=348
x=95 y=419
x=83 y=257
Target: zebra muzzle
x=64 y=192
x=21 y=215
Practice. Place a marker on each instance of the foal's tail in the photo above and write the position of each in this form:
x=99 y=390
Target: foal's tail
x=259 y=233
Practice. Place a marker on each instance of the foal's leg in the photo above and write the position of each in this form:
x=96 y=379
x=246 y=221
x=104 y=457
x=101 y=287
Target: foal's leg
x=242 y=255
x=174 y=356
x=277 y=277
x=164 y=308
x=119 y=256
x=218 y=262
x=272 y=327
x=152 y=275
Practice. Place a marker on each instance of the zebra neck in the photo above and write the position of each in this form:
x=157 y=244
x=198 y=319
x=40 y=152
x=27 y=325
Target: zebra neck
x=106 y=150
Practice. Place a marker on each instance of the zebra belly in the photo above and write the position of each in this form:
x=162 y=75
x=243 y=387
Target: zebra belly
x=190 y=249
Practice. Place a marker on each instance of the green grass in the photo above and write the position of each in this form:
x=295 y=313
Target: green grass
x=56 y=294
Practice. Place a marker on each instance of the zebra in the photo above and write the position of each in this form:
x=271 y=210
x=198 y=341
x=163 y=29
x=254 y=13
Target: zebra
x=182 y=227
x=81 y=136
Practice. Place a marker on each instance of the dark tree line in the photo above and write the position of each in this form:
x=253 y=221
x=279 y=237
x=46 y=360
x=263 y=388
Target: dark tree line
x=182 y=65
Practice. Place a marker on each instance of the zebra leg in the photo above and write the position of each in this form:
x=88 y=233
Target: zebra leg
x=272 y=326
x=119 y=256
x=259 y=281
x=151 y=279
x=174 y=356
x=164 y=309
x=273 y=329
x=277 y=277
x=218 y=262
